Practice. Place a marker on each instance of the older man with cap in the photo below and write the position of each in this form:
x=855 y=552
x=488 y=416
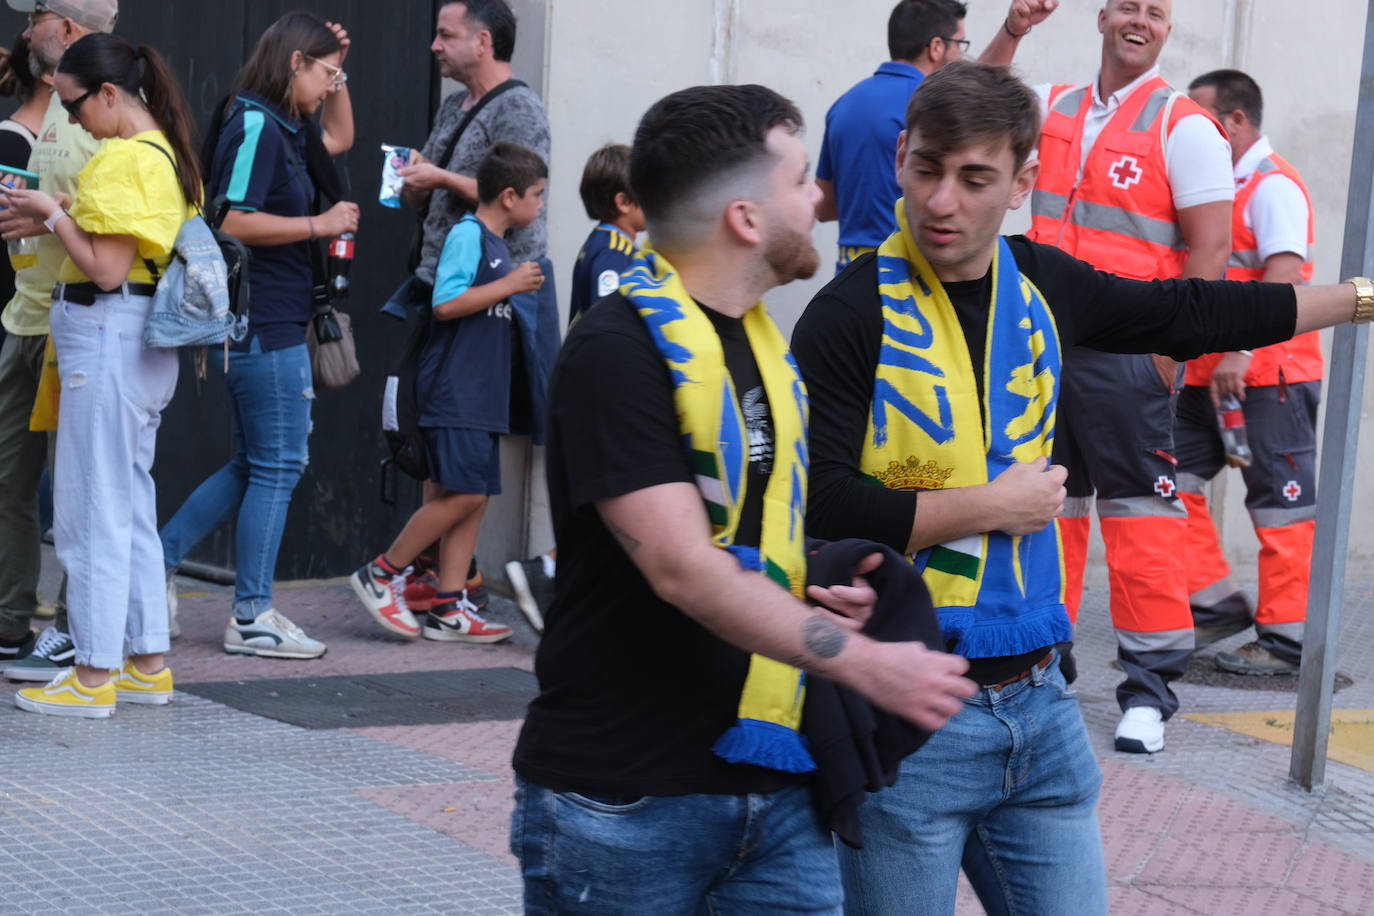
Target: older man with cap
x=58 y=156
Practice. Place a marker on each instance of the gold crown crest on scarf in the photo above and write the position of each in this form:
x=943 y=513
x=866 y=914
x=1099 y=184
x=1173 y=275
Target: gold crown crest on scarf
x=913 y=475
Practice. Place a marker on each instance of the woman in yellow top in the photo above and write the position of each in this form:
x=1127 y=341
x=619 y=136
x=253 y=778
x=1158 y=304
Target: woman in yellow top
x=130 y=204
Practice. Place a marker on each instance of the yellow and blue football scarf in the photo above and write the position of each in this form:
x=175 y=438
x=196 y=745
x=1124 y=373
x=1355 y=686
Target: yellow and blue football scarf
x=997 y=594
x=717 y=445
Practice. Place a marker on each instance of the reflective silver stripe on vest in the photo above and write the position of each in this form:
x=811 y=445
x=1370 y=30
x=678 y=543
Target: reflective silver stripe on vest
x=1067 y=104
x=1267 y=165
x=1048 y=204
x=1282 y=518
x=1158 y=99
x=1123 y=222
x=1291 y=631
x=1189 y=483
x=1141 y=507
x=1161 y=641
x=1077 y=507
x=1106 y=218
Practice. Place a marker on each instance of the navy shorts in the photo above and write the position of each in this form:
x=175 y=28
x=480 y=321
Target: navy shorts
x=464 y=460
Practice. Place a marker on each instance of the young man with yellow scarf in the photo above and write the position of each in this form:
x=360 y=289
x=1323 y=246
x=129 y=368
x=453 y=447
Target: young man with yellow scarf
x=934 y=367
x=660 y=769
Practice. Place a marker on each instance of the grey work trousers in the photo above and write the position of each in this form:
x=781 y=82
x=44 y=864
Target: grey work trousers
x=23 y=455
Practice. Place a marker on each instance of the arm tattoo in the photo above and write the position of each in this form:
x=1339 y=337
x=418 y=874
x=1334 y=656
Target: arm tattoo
x=627 y=540
x=823 y=638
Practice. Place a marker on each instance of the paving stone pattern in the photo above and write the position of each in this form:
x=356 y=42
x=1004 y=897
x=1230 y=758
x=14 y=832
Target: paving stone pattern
x=202 y=808
x=412 y=698
x=199 y=808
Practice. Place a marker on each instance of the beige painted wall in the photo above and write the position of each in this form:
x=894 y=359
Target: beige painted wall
x=605 y=61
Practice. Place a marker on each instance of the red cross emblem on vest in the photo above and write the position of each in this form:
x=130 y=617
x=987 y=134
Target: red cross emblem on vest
x=1125 y=172
x=1164 y=486
x=1291 y=491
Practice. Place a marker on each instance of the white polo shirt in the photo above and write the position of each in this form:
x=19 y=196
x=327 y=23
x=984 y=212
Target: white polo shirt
x=1277 y=211
x=1197 y=155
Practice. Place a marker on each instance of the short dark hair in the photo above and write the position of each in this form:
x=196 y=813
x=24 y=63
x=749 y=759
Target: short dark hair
x=606 y=174
x=1236 y=91
x=694 y=137
x=497 y=18
x=968 y=102
x=914 y=23
x=507 y=165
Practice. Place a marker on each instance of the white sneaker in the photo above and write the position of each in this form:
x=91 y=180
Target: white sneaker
x=271 y=635
x=1140 y=731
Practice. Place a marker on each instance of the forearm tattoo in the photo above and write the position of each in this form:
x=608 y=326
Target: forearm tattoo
x=823 y=638
x=627 y=540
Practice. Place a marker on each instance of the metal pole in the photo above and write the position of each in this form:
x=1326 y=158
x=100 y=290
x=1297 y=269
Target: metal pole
x=1336 y=480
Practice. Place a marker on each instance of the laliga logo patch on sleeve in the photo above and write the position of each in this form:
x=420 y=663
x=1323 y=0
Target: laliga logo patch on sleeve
x=607 y=283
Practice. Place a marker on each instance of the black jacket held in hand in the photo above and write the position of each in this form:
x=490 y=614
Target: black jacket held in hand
x=858 y=746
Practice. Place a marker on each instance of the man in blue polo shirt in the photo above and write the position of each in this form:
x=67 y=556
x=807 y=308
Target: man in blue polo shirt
x=856 y=172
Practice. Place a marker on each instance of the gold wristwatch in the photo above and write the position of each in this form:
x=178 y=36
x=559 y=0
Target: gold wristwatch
x=1364 y=300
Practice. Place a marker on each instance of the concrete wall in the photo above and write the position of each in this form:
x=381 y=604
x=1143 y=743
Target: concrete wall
x=606 y=61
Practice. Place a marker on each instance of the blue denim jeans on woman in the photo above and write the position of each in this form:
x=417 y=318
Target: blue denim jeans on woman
x=270 y=395
x=678 y=855
x=1008 y=790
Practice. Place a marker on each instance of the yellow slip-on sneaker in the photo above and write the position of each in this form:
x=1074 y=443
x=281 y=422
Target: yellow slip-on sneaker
x=66 y=696
x=133 y=686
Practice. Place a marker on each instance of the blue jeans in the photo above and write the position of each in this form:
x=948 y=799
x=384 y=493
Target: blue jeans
x=270 y=396
x=673 y=855
x=1007 y=789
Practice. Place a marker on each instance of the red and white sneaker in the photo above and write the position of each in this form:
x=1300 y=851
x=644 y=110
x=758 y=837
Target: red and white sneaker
x=420 y=590
x=384 y=597
x=458 y=621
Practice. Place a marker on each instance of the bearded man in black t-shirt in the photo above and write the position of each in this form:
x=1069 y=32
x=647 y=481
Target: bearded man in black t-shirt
x=933 y=366
x=631 y=796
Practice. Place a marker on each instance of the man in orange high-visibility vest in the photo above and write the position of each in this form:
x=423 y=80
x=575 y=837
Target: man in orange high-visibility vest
x=1279 y=387
x=1136 y=180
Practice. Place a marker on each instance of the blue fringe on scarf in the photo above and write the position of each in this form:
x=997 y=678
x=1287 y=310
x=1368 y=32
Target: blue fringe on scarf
x=765 y=744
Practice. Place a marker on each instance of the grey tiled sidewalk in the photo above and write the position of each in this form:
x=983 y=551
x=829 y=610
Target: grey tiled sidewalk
x=200 y=808
x=210 y=810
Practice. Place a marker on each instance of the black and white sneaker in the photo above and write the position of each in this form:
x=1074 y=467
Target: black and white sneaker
x=40 y=657
x=19 y=648
x=533 y=589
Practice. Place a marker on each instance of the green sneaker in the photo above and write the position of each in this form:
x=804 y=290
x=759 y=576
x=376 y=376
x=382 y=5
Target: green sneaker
x=53 y=652
x=13 y=651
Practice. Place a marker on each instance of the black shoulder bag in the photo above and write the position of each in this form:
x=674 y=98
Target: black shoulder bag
x=417 y=246
x=329 y=336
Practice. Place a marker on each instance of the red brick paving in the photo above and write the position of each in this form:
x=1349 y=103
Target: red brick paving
x=1172 y=847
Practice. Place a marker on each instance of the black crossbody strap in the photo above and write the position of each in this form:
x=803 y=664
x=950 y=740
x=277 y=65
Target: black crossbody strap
x=452 y=145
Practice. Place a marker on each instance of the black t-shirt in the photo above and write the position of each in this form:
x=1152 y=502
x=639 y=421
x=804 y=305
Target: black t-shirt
x=836 y=345
x=14 y=151
x=633 y=693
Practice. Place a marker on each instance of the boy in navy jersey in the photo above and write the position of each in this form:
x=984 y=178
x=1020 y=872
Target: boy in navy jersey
x=606 y=195
x=463 y=390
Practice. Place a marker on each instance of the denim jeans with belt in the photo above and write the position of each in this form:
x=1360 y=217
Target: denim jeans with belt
x=679 y=855
x=104 y=502
x=1008 y=790
x=270 y=396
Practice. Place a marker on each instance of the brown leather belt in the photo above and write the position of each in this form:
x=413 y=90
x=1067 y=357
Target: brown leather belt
x=1040 y=665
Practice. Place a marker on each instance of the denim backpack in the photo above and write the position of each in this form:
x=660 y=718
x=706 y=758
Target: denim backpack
x=202 y=298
